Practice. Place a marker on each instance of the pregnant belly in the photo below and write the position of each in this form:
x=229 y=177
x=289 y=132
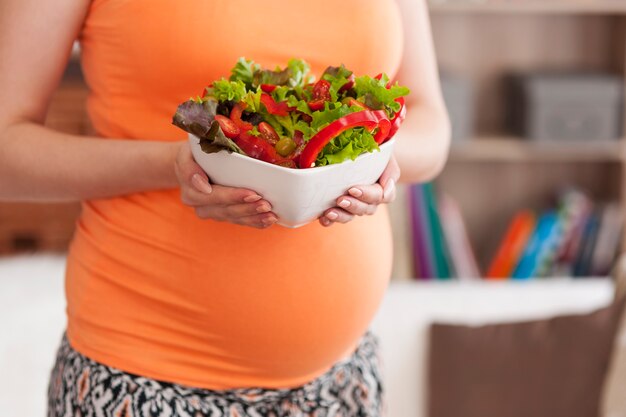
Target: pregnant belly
x=154 y=291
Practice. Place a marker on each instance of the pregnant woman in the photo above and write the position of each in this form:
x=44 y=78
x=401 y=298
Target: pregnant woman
x=183 y=298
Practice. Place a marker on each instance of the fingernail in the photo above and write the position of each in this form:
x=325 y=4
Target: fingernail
x=388 y=191
x=344 y=203
x=268 y=221
x=263 y=208
x=332 y=215
x=201 y=184
x=252 y=198
x=355 y=192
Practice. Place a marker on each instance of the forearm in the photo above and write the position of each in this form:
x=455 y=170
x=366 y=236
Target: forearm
x=39 y=164
x=422 y=143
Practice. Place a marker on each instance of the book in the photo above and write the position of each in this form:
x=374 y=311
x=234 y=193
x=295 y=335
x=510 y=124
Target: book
x=461 y=254
x=510 y=251
x=582 y=264
x=440 y=254
x=541 y=240
x=575 y=208
x=422 y=246
x=608 y=241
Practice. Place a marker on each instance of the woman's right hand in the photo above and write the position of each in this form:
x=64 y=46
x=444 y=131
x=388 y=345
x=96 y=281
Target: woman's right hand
x=210 y=201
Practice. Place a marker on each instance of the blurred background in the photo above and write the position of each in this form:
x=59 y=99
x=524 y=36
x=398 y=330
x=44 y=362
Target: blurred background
x=505 y=298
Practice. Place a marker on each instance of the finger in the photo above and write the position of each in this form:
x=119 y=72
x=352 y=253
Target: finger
x=247 y=209
x=219 y=196
x=371 y=194
x=259 y=221
x=336 y=215
x=391 y=172
x=229 y=195
x=355 y=206
x=389 y=192
x=232 y=212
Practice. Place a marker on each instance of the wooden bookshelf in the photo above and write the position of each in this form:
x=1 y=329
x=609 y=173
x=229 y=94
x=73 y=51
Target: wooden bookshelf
x=492 y=176
x=529 y=6
x=512 y=149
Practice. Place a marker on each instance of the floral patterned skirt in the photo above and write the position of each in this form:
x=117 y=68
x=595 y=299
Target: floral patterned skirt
x=82 y=387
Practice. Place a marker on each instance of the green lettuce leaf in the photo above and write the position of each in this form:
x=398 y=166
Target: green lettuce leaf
x=253 y=101
x=374 y=93
x=294 y=75
x=337 y=77
x=299 y=72
x=244 y=71
x=331 y=112
x=348 y=145
x=224 y=90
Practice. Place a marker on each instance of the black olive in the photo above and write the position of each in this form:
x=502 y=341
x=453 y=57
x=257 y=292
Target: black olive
x=225 y=107
x=250 y=117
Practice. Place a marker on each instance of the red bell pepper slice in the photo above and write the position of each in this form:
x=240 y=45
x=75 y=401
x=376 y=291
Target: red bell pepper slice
x=368 y=119
x=397 y=119
x=279 y=109
x=235 y=116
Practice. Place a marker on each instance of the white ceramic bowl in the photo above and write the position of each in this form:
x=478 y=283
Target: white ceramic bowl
x=298 y=196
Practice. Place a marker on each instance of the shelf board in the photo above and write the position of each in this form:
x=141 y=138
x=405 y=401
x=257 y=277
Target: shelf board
x=512 y=149
x=529 y=6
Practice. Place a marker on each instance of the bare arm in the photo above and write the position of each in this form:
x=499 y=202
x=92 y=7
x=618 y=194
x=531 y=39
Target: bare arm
x=37 y=163
x=424 y=138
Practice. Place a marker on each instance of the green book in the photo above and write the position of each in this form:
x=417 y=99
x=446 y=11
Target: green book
x=441 y=255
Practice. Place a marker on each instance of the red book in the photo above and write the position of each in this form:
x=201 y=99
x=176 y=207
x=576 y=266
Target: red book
x=512 y=245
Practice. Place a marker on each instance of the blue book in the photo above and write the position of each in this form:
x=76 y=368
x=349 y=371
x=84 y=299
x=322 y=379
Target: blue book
x=539 y=243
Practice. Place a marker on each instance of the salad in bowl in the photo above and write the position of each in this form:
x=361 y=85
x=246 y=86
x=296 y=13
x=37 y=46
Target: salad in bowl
x=297 y=141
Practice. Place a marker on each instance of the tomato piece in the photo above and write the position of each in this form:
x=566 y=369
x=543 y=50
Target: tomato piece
x=279 y=109
x=257 y=148
x=268 y=133
x=235 y=117
x=321 y=90
x=321 y=94
x=317 y=104
x=229 y=128
x=268 y=88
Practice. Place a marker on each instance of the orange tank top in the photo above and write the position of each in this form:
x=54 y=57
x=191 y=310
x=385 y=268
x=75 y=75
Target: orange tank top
x=155 y=291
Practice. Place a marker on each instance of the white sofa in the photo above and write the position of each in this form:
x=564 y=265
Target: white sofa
x=32 y=320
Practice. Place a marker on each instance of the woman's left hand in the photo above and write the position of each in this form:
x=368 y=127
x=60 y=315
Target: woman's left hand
x=364 y=199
